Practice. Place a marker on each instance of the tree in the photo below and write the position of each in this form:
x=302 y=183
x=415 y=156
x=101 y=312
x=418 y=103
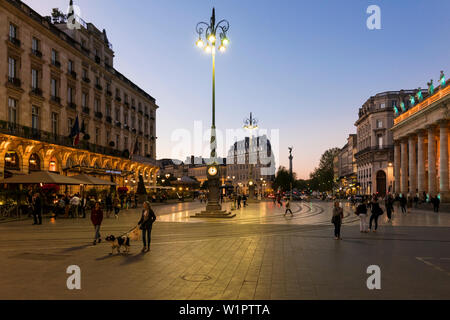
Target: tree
x=58 y=16
x=141 y=186
x=322 y=177
x=283 y=180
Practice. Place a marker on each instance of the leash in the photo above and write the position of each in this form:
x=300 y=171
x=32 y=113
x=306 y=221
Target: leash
x=128 y=231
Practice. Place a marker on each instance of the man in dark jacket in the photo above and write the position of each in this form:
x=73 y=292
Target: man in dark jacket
x=37 y=209
x=146 y=224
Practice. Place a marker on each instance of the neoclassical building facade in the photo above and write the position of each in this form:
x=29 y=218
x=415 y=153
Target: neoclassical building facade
x=421 y=160
x=52 y=74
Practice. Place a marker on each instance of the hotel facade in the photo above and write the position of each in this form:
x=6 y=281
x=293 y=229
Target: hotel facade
x=50 y=76
x=421 y=146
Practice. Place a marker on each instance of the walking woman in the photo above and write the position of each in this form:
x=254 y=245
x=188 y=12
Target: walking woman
x=97 y=218
x=145 y=224
x=116 y=204
x=288 y=207
x=361 y=212
x=338 y=215
x=376 y=211
x=389 y=204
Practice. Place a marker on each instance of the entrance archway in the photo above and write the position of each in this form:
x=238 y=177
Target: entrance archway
x=381 y=183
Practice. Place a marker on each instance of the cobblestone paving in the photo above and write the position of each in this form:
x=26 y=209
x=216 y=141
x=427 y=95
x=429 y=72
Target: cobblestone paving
x=261 y=254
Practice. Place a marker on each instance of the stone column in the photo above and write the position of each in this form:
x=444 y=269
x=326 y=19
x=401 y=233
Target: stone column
x=443 y=160
x=421 y=184
x=397 y=164
x=404 y=168
x=412 y=164
x=431 y=162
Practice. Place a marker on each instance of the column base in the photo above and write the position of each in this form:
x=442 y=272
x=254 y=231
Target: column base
x=214 y=214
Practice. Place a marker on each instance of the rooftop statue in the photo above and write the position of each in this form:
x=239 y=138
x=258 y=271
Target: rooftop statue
x=442 y=79
x=412 y=100
x=402 y=105
x=396 y=110
x=430 y=87
x=419 y=95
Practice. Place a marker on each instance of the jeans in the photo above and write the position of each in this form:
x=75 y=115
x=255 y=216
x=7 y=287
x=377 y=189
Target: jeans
x=288 y=210
x=337 y=229
x=362 y=222
x=146 y=237
x=97 y=232
x=389 y=213
x=373 y=217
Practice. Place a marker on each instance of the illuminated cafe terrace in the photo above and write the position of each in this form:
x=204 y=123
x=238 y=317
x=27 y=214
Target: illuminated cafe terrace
x=421 y=159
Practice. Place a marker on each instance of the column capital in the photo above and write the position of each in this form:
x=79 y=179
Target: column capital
x=420 y=132
x=442 y=123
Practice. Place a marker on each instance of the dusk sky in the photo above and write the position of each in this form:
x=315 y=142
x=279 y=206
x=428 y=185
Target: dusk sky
x=303 y=67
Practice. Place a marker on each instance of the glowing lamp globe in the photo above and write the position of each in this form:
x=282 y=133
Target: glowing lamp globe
x=200 y=43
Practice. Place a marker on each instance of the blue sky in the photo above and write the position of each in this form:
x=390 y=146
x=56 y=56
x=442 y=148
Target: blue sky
x=303 y=67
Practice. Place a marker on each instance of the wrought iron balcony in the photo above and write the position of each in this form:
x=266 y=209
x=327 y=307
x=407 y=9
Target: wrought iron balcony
x=98 y=87
x=56 y=63
x=48 y=137
x=98 y=115
x=118 y=124
x=56 y=99
x=87 y=80
x=118 y=99
x=15 y=81
x=73 y=74
x=86 y=110
x=36 y=91
x=72 y=105
x=97 y=59
x=15 y=41
x=37 y=53
x=108 y=93
x=108 y=119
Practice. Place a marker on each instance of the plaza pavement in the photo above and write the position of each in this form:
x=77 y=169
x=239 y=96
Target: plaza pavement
x=260 y=254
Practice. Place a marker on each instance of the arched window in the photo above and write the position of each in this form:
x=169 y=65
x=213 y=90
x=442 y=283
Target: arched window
x=12 y=161
x=34 y=163
x=53 y=165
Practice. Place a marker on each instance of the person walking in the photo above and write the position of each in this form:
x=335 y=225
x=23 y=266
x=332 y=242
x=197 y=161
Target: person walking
x=376 y=211
x=409 y=202
x=244 y=199
x=116 y=204
x=37 y=209
x=129 y=201
x=288 y=207
x=361 y=212
x=403 y=203
x=338 y=215
x=436 y=201
x=97 y=218
x=136 y=198
x=389 y=204
x=239 y=198
x=74 y=205
x=109 y=205
x=148 y=217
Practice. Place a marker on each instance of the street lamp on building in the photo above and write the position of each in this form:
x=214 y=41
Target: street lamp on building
x=210 y=36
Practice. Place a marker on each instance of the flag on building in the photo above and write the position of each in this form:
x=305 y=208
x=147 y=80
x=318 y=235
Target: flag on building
x=135 y=149
x=75 y=132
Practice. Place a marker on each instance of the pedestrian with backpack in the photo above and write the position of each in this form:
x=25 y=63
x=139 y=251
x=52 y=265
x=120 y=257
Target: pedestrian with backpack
x=376 y=212
x=361 y=212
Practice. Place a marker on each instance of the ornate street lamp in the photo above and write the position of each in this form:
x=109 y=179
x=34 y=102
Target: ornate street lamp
x=211 y=35
x=250 y=124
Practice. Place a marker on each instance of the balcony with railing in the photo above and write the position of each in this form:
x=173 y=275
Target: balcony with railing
x=98 y=87
x=56 y=63
x=36 y=53
x=86 y=110
x=86 y=79
x=72 y=105
x=98 y=115
x=15 y=82
x=14 y=129
x=15 y=41
x=55 y=99
x=374 y=149
x=73 y=74
x=36 y=91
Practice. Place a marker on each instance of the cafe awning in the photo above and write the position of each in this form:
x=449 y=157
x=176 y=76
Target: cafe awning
x=89 y=180
x=43 y=177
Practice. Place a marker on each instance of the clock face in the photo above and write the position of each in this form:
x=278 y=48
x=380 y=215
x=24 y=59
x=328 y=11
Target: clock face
x=212 y=171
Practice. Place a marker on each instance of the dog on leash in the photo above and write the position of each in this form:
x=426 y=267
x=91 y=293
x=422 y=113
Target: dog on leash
x=119 y=242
